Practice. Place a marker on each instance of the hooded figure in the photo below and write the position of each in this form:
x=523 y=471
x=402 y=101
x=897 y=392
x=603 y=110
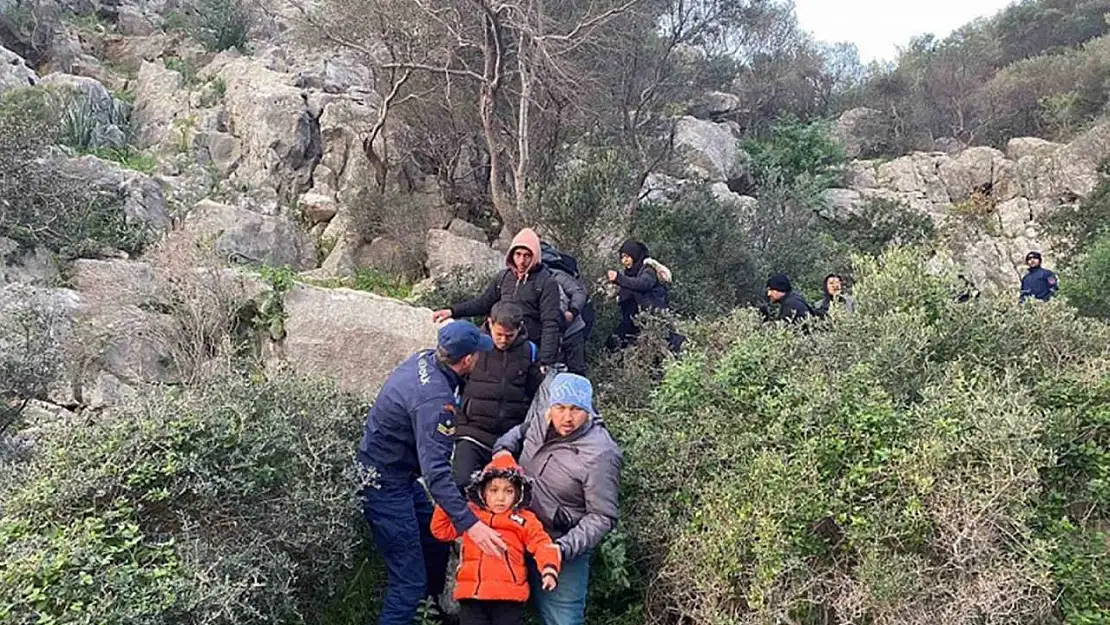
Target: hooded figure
x=574 y=302
x=1038 y=282
x=640 y=286
x=526 y=282
x=484 y=578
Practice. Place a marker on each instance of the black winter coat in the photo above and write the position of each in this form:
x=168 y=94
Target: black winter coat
x=538 y=297
x=793 y=308
x=644 y=289
x=499 y=392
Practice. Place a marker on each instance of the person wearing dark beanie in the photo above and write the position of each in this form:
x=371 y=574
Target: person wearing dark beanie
x=791 y=306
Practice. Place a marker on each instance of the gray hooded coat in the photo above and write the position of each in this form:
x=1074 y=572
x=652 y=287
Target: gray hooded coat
x=576 y=479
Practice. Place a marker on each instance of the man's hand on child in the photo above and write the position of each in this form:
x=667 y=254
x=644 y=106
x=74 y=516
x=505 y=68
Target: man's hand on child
x=550 y=581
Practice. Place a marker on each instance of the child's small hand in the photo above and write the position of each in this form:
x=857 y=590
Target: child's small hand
x=550 y=582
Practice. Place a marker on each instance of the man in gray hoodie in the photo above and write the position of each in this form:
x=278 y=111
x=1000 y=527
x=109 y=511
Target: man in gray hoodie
x=575 y=465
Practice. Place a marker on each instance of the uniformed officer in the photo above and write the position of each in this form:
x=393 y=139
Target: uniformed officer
x=409 y=433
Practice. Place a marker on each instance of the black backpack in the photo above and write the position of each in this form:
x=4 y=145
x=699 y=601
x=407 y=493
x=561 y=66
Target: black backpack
x=556 y=259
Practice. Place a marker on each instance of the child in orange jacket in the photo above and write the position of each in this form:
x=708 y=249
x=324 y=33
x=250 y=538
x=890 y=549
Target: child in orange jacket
x=492 y=590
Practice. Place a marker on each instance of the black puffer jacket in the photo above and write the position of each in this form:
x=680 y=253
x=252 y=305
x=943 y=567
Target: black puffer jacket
x=538 y=297
x=499 y=392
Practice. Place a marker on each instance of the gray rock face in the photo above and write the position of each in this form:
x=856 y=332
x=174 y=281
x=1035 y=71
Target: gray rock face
x=14 y=72
x=712 y=150
x=467 y=230
x=860 y=130
x=448 y=253
x=248 y=237
x=714 y=105
x=353 y=337
x=93 y=109
x=159 y=104
x=36 y=267
x=143 y=200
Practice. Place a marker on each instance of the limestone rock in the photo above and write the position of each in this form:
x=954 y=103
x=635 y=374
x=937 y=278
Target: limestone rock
x=143 y=200
x=279 y=137
x=712 y=150
x=250 y=237
x=161 y=110
x=714 y=105
x=1020 y=147
x=843 y=201
x=467 y=230
x=37 y=266
x=448 y=253
x=317 y=208
x=352 y=337
x=14 y=72
x=978 y=169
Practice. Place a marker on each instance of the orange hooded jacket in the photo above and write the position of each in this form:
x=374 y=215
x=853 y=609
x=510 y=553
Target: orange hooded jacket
x=489 y=578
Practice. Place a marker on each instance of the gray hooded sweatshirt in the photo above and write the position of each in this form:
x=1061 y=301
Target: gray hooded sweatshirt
x=576 y=479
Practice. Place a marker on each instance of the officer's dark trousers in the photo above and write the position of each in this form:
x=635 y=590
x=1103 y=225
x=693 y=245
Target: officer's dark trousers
x=469 y=457
x=400 y=516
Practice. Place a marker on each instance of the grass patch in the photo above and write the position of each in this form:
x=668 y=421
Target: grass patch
x=128 y=158
x=369 y=280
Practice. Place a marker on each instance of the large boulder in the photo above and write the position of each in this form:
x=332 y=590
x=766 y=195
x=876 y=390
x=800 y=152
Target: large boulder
x=143 y=200
x=14 y=72
x=981 y=170
x=352 y=337
x=712 y=150
x=247 y=237
x=96 y=112
x=279 y=134
x=1020 y=147
x=916 y=175
x=36 y=266
x=714 y=105
x=449 y=253
x=161 y=109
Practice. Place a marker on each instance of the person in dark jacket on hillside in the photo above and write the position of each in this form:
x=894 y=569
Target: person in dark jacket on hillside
x=497 y=394
x=409 y=433
x=576 y=466
x=573 y=300
x=640 y=287
x=834 y=297
x=792 y=307
x=529 y=284
x=1038 y=282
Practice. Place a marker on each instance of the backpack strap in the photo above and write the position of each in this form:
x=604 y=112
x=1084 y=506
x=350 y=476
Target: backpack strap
x=532 y=349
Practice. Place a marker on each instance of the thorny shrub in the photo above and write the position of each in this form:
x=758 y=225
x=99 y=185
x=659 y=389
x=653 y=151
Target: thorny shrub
x=228 y=503
x=35 y=332
x=922 y=461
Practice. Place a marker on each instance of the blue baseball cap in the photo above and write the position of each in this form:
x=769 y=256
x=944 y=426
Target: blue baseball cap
x=462 y=338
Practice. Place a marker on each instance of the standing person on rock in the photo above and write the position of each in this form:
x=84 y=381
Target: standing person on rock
x=1038 y=282
x=529 y=284
x=410 y=432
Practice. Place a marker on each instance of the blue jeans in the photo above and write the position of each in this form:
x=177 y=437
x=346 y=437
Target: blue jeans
x=566 y=605
x=400 y=516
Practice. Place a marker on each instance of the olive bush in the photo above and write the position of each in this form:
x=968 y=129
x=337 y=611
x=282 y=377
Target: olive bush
x=231 y=503
x=918 y=462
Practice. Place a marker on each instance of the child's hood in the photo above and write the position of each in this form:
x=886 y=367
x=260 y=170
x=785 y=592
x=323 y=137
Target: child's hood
x=502 y=466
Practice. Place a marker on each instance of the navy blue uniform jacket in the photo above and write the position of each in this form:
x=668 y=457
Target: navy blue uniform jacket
x=410 y=431
x=1039 y=283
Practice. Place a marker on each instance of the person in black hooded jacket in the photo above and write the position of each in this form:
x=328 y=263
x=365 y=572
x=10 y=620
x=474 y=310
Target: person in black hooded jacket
x=639 y=288
x=498 y=392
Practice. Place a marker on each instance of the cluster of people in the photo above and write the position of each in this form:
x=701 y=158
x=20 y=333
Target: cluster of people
x=497 y=424
x=788 y=305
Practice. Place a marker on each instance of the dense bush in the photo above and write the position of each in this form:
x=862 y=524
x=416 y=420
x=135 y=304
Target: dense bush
x=1086 y=280
x=217 y=24
x=43 y=206
x=797 y=153
x=231 y=503
x=35 y=332
x=921 y=462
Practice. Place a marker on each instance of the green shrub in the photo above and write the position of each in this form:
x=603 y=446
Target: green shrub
x=34 y=334
x=231 y=503
x=42 y=205
x=1086 y=280
x=223 y=24
x=920 y=462
x=877 y=224
x=456 y=287
x=797 y=151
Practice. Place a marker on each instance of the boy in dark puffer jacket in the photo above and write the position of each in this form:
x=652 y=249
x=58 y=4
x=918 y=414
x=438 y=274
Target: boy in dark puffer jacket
x=498 y=393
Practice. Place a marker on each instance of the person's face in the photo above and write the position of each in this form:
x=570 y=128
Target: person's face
x=566 y=419
x=522 y=259
x=1033 y=262
x=500 y=495
x=626 y=261
x=503 y=336
x=833 y=285
x=774 y=295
